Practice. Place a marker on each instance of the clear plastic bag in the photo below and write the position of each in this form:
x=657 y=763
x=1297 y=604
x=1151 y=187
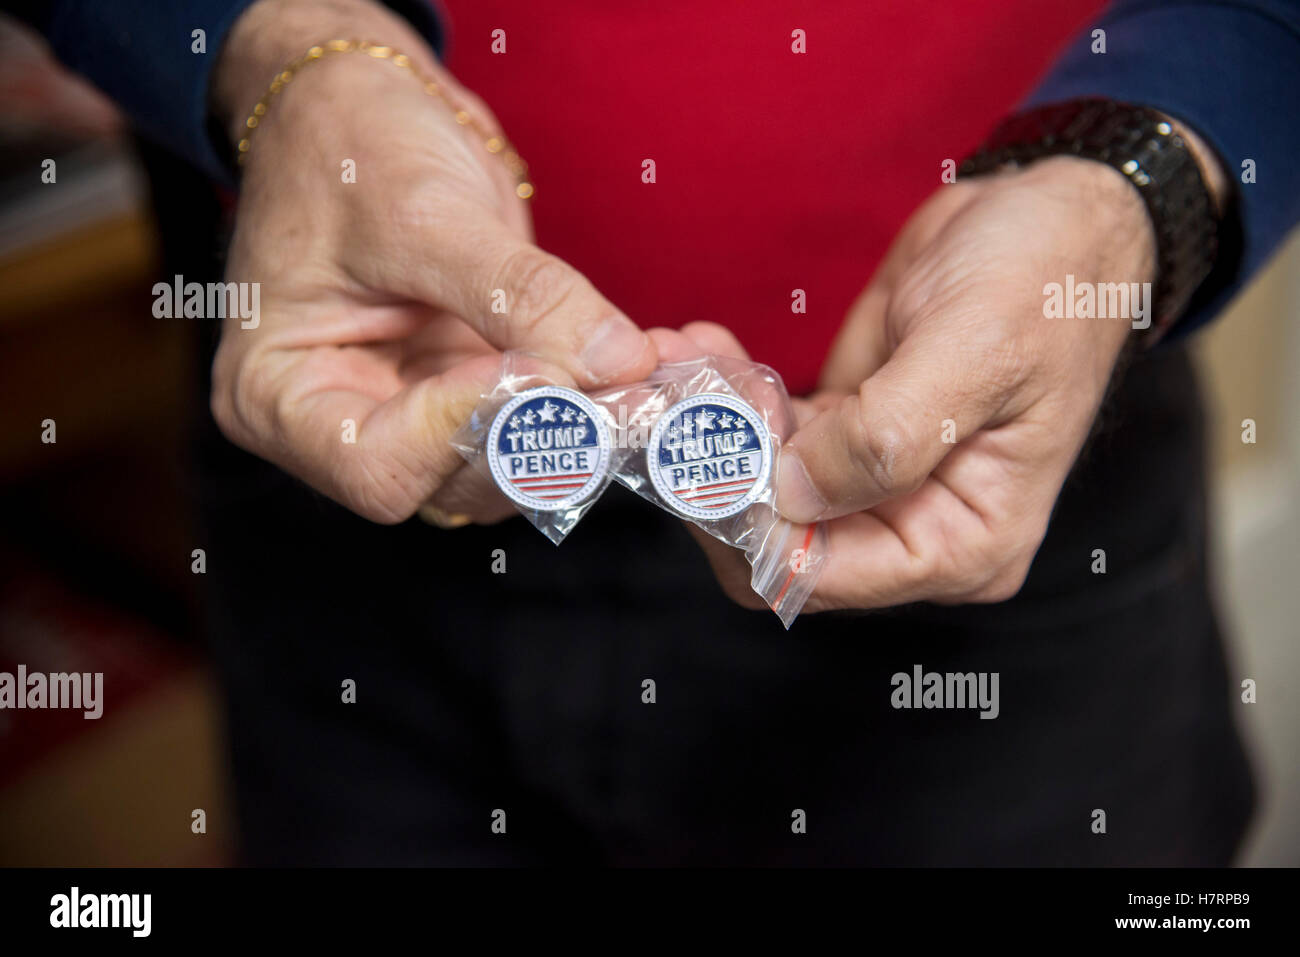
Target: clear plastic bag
x=546 y=447
x=702 y=440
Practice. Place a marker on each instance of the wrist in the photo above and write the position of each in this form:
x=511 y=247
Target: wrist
x=1105 y=233
x=271 y=33
x=1175 y=178
x=1106 y=212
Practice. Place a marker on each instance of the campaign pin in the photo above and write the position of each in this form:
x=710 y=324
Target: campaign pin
x=709 y=456
x=549 y=448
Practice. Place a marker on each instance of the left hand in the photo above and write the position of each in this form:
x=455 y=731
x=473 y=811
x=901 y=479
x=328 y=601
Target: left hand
x=953 y=409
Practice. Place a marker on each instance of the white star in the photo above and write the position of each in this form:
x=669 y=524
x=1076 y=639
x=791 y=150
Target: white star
x=740 y=423
x=725 y=420
x=529 y=418
x=548 y=411
x=686 y=426
x=514 y=422
x=582 y=417
x=704 y=420
x=566 y=415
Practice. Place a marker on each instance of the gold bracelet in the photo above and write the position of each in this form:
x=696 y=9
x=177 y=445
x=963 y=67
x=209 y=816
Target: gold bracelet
x=493 y=143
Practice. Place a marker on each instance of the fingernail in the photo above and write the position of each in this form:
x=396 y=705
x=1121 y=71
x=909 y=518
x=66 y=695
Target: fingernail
x=616 y=346
x=796 y=496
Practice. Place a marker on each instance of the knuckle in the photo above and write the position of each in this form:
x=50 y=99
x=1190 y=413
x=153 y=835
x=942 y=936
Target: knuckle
x=279 y=407
x=247 y=402
x=220 y=399
x=229 y=402
x=956 y=577
x=1006 y=584
x=256 y=404
x=1008 y=575
x=927 y=569
x=1006 y=366
x=536 y=285
x=886 y=451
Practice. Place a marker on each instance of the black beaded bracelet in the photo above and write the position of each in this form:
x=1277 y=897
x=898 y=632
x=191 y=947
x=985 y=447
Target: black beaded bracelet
x=1142 y=144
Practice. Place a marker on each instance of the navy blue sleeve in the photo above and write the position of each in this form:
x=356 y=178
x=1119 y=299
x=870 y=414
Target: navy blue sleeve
x=140 y=53
x=1229 y=70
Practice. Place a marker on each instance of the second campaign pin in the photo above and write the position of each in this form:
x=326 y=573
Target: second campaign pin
x=709 y=456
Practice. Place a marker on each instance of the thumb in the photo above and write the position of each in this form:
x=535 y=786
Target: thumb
x=516 y=296
x=886 y=439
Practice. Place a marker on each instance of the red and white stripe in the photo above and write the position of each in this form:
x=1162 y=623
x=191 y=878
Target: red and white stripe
x=551 y=486
x=717 y=495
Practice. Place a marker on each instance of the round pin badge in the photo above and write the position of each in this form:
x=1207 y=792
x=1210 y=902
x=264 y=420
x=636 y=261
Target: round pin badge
x=549 y=449
x=709 y=456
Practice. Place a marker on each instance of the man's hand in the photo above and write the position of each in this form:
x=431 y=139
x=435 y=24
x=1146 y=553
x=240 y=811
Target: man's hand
x=378 y=295
x=953 y=409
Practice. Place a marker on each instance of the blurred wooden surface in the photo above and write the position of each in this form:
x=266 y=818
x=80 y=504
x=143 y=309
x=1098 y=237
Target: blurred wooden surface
x=123 y=793
x=105 y=509
x=101 y=259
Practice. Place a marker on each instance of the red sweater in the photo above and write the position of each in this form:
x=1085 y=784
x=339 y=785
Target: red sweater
x=775 y=170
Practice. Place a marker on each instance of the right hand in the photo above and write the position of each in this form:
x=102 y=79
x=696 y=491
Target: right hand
x=377 y=295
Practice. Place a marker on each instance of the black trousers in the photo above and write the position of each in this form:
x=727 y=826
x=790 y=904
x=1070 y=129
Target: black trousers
x=522 y=692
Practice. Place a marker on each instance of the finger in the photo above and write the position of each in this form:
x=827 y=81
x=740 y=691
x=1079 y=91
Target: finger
x=804 y=411
x=812 y=405
x=467 y=491
x=672 y=346
x=696 y=340
x=932 y=545
x=884 y=441
x=379 y=458
x=868 y=565
x=714 y=339
x=462 y=490
x=517 y=296
x=889 y=555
